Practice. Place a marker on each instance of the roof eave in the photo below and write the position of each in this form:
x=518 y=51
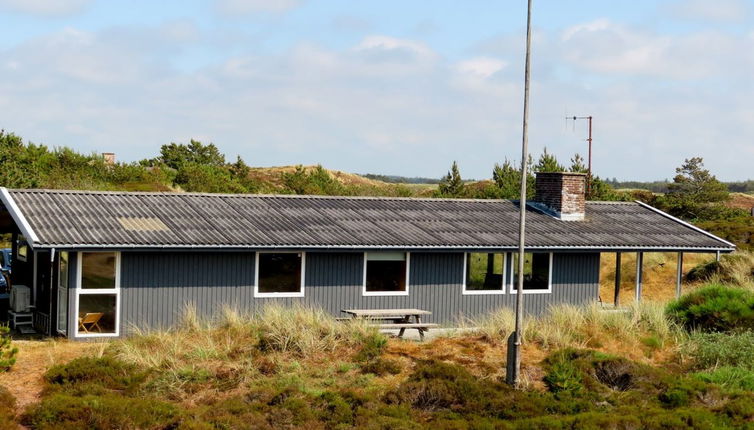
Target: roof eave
x=379 y=247
x=684 y=223
x=18 y=217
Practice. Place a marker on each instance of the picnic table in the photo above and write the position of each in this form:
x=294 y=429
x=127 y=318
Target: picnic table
x=394 y=319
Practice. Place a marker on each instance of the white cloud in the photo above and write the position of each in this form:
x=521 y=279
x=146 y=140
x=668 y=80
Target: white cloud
x=244 y=7
x=45 y=7
x=614 y=49
x=391 y=44
x=706 y=10
x=483 y=67
x=391 y=105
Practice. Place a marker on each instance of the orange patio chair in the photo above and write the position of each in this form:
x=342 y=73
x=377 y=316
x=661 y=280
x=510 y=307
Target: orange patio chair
x=90 y=322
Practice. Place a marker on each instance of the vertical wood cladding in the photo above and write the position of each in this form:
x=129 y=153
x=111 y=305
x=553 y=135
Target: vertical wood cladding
x=157 y=286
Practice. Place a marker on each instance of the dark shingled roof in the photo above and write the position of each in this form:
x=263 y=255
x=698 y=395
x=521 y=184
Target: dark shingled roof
x=74 y=219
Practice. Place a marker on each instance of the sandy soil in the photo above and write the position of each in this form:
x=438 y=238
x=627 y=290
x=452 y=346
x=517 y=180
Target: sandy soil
x=741 y=201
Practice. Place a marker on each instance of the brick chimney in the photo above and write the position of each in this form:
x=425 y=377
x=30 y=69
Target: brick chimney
x=561 y=194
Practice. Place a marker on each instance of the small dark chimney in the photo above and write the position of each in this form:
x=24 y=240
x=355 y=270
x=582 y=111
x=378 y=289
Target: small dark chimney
x=561 y=194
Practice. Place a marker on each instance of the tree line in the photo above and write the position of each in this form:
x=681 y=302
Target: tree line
x=694 y=194
x=506 y=180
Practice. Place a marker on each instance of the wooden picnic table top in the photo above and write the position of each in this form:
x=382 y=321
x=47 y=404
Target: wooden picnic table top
x=385 y=312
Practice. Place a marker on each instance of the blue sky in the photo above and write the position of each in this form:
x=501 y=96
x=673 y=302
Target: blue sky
x=396 y=87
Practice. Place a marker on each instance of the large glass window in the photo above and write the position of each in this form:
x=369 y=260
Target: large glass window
x=537 y=272
x=97 y=293
x=97 y=314
x=385 y=273
x=280 y=273
x=485 y=273
x=97 y=270
x=63 y=270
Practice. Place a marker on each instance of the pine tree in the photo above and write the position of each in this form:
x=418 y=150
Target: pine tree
x=577 y=164
x=693 y=188
x=548 y=163
x=8 y=352
x=507 y=178
x=451 y=185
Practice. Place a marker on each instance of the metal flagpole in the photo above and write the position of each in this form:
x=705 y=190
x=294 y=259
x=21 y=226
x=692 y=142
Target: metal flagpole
x=514 y=372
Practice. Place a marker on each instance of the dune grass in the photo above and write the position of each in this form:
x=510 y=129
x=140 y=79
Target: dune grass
x=236 y=348
x=569 y=326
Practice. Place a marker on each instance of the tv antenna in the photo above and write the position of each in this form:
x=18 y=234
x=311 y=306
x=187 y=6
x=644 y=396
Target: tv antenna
x=589 y=140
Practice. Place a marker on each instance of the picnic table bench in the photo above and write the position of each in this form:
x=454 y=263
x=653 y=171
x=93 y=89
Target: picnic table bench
x=394 y=319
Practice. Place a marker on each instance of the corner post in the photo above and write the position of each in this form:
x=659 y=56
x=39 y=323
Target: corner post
x=679 y=276
x=616 y=297
x=639 y=274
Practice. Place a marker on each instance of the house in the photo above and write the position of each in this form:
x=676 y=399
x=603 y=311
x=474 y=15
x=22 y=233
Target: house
x=138 y=258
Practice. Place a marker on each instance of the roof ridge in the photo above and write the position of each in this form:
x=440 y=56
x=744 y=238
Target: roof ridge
x=244 y=195
x=285 y=196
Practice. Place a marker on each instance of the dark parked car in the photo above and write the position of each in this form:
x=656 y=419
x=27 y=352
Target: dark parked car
x=5 y=259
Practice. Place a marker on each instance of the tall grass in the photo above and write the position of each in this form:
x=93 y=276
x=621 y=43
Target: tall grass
x=582 y=326
x=297 y=330
x=236 y=348
x=736 y=269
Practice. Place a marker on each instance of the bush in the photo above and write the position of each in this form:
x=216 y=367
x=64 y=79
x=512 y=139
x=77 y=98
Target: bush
x=703 y=271
x=105 y=411
x=8 y=352
x=714 y=308
x=382 y=366
x=562 y=373
x=106 y=372
x=729 y=377
x=712 y=350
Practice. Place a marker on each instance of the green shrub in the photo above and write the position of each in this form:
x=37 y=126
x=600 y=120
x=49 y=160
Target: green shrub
x=729 y=377
x=382 y=366
x=372 y=346
x=714 y=308
x=105 y=411
x=681 y=391
x=703 y=271
x=712 y=350
x=563 y=375
x=105 y=372
x=438 y=386
x=8 y=352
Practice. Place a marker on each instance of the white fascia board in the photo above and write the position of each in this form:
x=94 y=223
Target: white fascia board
x=18 y=217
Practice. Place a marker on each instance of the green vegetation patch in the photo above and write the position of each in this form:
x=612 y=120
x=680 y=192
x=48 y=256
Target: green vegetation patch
x=714 y=308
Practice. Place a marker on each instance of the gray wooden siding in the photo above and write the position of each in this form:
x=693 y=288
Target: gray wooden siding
x=155 y=286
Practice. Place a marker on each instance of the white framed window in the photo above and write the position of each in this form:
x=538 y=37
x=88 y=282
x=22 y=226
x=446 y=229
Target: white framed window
x=97 y=297
x=386 y=273
x=537 y=273
x=484 y=273
x=279 y=274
